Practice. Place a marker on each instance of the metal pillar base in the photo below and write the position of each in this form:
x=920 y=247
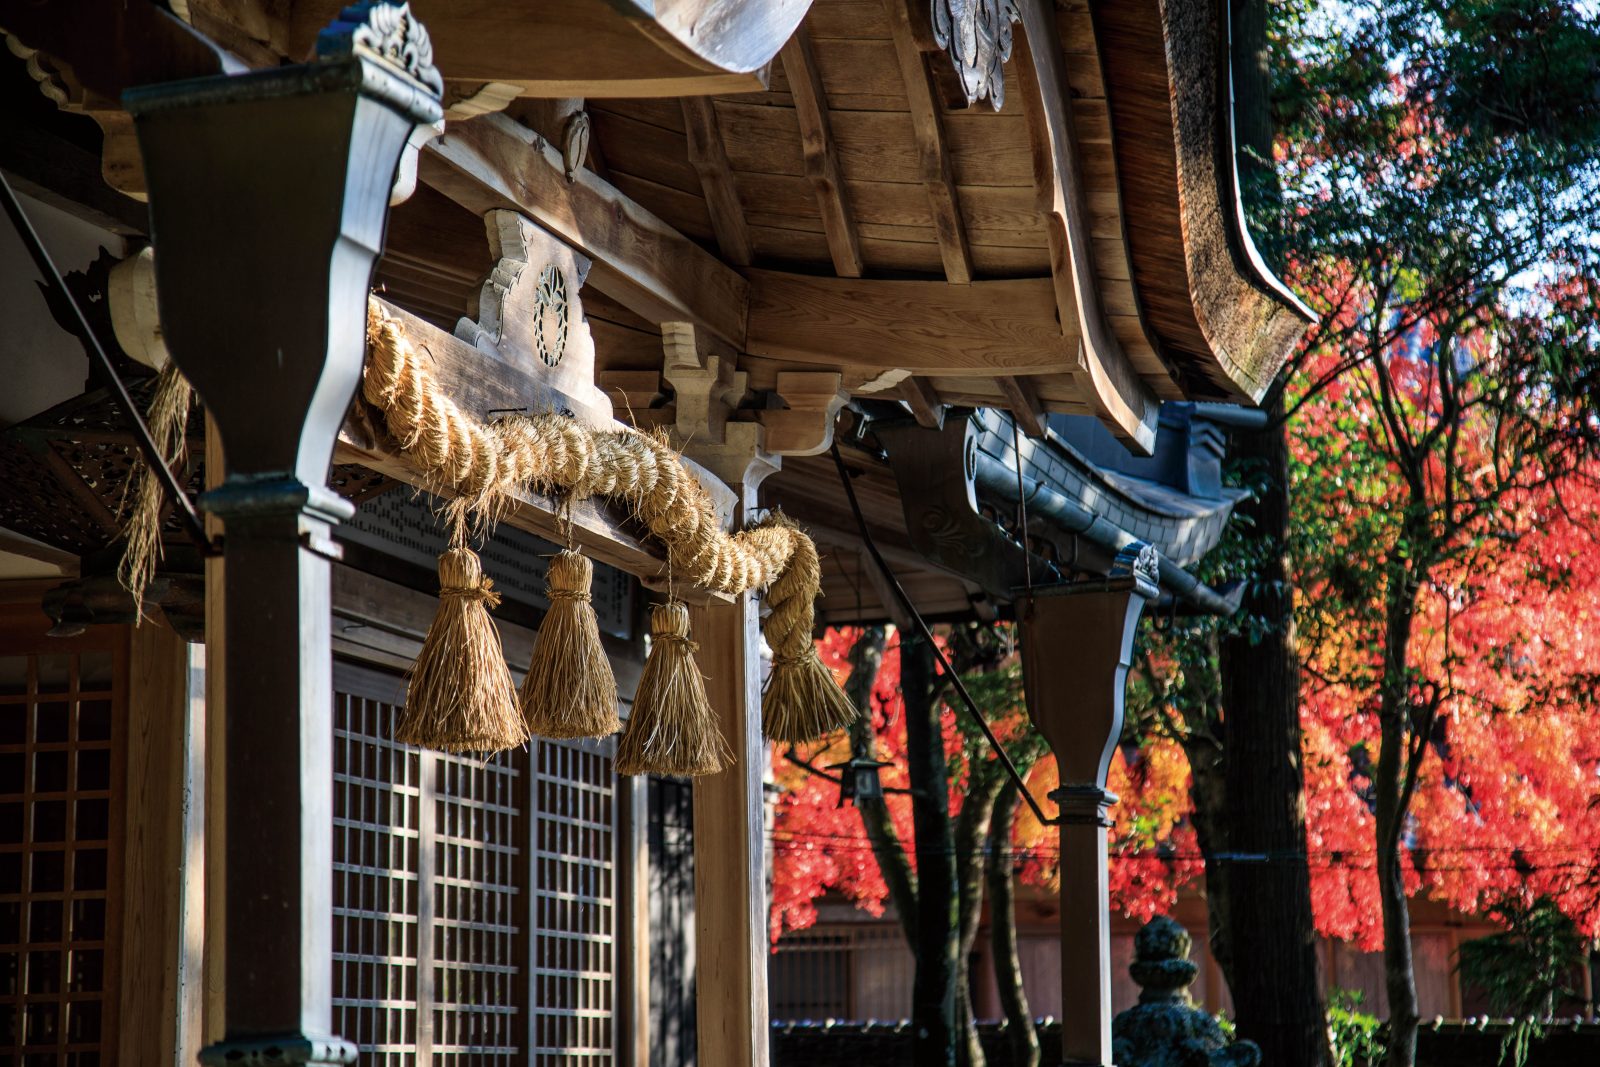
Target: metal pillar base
x=289 y=1050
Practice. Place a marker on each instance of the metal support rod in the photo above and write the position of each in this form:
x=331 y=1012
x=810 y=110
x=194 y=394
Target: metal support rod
x=927 y=634
x=193 y=525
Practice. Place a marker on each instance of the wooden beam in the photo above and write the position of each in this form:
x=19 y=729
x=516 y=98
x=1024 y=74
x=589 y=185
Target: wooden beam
x=933 y=156
x=710 y=161
x=730 y=911
x=63 y=562
x=1125 y=403
x=640 y=261
x=1022 y=397
x=924 y=327
x=822 y=161
x=480 y=383
x=591 y=48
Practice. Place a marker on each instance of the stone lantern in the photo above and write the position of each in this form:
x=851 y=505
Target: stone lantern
x=1165 y=1029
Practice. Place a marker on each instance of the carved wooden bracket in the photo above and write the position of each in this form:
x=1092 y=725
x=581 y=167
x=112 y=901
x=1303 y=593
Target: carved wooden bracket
x=814 y=399
x=120 y=163
x=634 y=394
x=529 y=312
x=700 y=370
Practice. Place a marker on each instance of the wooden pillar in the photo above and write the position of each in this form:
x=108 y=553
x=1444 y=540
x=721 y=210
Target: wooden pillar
x=633 y=1007
x=730 y=895
x=216 y=838
x=163 y=899
x=1077 y=643
x=286 y=173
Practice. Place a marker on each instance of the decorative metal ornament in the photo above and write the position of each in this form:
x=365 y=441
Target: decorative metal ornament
x=1138 y=560
x=575 y=143
x=387 y=32
x=976 y=34
x=550 y=333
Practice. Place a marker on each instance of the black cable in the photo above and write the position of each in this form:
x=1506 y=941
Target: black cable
x=192 y=522
x=1022 y=507
x=927 y=635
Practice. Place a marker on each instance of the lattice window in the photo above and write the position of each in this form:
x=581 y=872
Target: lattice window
x=61 y=716
x=428 y=890
x=477 y=983
x=377 y=804
x=574 y=898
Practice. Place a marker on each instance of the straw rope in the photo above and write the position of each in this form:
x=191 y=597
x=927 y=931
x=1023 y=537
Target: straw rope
x=141 y=530
x=486 y=463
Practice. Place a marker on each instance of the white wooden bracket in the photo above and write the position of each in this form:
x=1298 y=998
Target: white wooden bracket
x=529 y=312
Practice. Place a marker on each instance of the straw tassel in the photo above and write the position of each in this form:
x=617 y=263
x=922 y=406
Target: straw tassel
x=802 y=700
x=570 y=690
x=169 y=422
x=461 y=697
x=672 y=729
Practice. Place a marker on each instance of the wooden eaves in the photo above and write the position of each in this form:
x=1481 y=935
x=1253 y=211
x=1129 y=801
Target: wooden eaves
x=1080 y=250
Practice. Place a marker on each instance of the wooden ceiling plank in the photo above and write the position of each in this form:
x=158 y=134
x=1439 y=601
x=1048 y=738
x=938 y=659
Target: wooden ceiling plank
x=710 y=161
x=1126 y=404
x=933 y=155
x=822 y=160
x=645 y=264
x=921 y=327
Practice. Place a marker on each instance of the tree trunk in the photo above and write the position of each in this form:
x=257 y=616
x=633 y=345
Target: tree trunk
x=1208 y=766
x=866 y=657
x=971 y=830
x=1276 y=996
x=1393 y=798
x=1021 y=1037
x=938 y=929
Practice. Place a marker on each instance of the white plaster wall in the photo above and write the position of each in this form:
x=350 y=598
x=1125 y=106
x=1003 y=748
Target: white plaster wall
x=41 y=364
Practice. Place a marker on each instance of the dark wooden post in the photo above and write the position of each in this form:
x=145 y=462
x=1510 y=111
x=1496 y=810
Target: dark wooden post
x=1077 y=643
x=269 y=193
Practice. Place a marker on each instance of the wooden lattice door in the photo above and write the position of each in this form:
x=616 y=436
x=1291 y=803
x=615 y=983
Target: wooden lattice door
x=62 y=709
x=574 y=908
x=428 y=891
x=474 y=901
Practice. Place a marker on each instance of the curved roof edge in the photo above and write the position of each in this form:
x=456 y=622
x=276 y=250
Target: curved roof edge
x=1226 y=320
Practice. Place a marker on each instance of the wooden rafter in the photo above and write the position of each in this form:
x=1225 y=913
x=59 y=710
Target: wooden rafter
x=822 y=161
x=710 y=161
x=924 y=402
x=640 y=261
x=1109 y=379
x=1022 y=397
x=933 y=156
